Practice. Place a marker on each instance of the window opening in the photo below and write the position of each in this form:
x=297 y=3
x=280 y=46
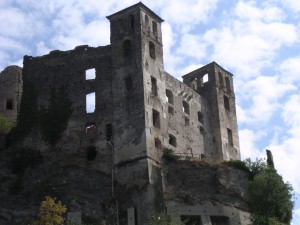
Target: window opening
x=200 y=117
x=171 y=110
x=226 y=103
x=172 y=140
x=227 y=81
x=152 y=50
x=126 y=48
x=154 y=28
x=90 y=128
x=186 y=121
x=157 y=143
x=120 y=26
x=153 y=86
x=128 y=83
x=146 y=20
x=186 y=107
x=169 y=96
x=9 y=104
x=90 y=74
x=221 y=81
x=109 y=131
x=230 y=140
x=191 y=220
x=205 y=78
x=131 y=20
x=91 y=153
x=156 y=119
x=194 y=84
x=219 y=220
x=201 y=129
x=91 y=102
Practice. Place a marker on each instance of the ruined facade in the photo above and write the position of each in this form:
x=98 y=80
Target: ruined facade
x=126 y=109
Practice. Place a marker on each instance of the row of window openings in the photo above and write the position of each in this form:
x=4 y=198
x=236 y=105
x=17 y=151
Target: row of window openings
x=154 y=25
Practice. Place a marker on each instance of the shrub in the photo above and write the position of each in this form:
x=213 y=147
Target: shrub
x=238 y=164
x=169 y=155
x=5 y=125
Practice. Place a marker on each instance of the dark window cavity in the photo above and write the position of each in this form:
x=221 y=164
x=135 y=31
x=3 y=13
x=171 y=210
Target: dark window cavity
x=152 y=50
x=200 y=117
x=186 y=121
x=191 y=220
x=126 y=48
x=155 y=118
x=91 y=153
x=169 y=96
x=154 y=28
x=171 y=110
x=157 y=143
x=131 y=22
x=146 y=20
x=227 y=82
x=9 y=104
x=226 y=103
x=153 y=86
x=219 y=220
x=186 y=107
x=221 y=81
x=230 y=140
x=172 y=140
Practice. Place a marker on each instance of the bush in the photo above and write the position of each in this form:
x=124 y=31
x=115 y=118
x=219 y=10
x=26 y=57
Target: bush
x=169 y=155
x=238 y=164
x=5 y=125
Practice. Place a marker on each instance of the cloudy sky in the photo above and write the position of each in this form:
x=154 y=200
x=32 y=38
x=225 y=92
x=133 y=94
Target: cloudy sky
x=258 y=41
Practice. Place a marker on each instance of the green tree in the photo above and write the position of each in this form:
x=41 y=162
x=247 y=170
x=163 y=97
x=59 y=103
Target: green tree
x=271 y=199
x=50 y=212
x=5 y=125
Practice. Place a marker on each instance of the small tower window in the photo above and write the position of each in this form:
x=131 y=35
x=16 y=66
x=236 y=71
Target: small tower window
x=229 y=133
x=205 y=78
x=9 y=104
x=186 y=107
x=227 y=81
x=91 y=153
x=226 y=103
x=154 y=28
x=146 y=20
x=153 y=86
x=157 y=143
x=120 y=26
x=200 y=117
x=90 y=74
x=126 y=48
x=221 y=81
x=131 y=21
x=152 y=50
x=172 y=140
x=155 y=118
x=91 y=102
x=169 y=96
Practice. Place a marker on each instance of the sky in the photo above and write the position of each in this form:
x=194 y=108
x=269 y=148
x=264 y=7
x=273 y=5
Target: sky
x=257 y=41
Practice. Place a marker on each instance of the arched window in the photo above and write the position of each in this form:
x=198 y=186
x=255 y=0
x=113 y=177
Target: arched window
x=186 y=107
x=205 y=78
x=126 y=48
x=131 y=21
x=172 y=140
x=227 y=81
x=154 y=28
x=169 y=96
x=152 y=50
x=221 y=81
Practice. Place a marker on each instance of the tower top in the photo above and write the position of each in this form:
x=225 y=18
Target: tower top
x=135 y=6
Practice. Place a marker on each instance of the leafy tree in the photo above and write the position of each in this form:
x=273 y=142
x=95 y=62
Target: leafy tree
x=5 y=124
x=271 y=199
x=50 y=212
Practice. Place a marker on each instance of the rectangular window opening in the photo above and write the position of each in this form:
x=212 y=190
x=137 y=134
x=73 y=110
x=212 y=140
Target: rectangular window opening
x=171 y=110
x=226 y=103
x=186 y=121
x=186 y=107
x=200 y=117
x=219 y=220
x=169 y=96
x=90 y=74
x=157 y=143
x=156 y=119
x=172 y=140
x=230 y=140
x=91 y=102
x=191 y=220
x=9 y=104
x=205 y=78
x=153 y=86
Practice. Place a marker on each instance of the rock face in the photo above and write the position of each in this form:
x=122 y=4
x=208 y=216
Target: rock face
x=93 y=124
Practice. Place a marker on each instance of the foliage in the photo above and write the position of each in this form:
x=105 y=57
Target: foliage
x=160 y=219
x=50 y=212
x=169 y=155
x=54 y=120
x=256 y=167
x=5 y=125
x=88 y=220
x=238 y=164
x=271 y=199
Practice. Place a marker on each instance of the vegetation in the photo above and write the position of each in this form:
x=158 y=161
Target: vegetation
x=54 y=120
x=5 y=125
x=50 y=212
x=160 y=219
x=169 y=155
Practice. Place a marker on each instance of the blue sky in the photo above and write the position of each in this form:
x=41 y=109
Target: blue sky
x=258 y=41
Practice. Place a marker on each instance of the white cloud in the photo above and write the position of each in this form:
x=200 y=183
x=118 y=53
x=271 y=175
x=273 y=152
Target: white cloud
x=290 y=70
x=248 y=139
x=192 y=46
